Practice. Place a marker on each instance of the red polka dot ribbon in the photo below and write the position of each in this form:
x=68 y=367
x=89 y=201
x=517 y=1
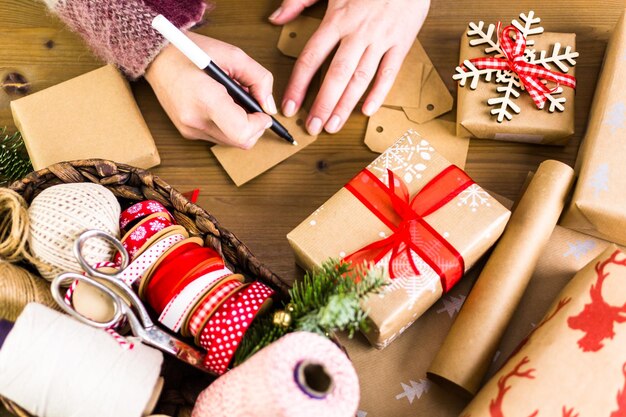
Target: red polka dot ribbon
x=143 y=209
x=227 y=327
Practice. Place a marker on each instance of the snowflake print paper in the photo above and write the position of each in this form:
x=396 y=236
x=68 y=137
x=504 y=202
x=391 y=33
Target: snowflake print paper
x=537 y=67
x=406 y=158
x=474 y=197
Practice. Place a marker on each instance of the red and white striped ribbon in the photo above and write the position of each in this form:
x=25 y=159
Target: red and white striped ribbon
x=123 y=342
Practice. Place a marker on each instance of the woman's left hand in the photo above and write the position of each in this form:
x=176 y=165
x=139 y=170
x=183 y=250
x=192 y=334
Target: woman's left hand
x=373 y=38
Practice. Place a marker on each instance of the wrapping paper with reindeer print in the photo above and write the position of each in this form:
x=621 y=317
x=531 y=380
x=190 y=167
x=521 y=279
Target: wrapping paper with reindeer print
x=465 y=219
x=573 y=364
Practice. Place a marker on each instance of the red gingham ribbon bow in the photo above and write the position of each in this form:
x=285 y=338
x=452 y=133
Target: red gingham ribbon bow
x=529 y=74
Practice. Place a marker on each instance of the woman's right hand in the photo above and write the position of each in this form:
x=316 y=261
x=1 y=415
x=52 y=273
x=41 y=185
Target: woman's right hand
x=199 y=106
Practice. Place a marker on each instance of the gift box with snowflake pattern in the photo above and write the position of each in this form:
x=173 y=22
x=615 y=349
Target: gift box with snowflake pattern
x=598 y=206
x=423 y=221
x=573 y=363
x=516 y=82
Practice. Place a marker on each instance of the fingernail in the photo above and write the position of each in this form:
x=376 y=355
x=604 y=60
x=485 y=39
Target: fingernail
x=271 y=104
x=276 y=13
x=333 y=124
x=289 y=108
x=369 y=108
x=315 y=126
x=269 y=124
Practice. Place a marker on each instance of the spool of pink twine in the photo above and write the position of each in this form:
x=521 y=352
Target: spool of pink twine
x=302 y=374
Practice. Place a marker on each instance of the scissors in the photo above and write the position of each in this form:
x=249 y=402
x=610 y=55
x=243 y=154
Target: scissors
x=141 y=324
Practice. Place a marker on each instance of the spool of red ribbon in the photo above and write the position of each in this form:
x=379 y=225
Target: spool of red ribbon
x=226 y=328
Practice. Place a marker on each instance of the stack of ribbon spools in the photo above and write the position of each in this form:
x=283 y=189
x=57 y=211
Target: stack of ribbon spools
x=187 y=285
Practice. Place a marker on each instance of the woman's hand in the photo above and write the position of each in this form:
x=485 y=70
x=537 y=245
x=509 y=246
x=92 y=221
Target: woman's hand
x=373 y=38
x=199 y=106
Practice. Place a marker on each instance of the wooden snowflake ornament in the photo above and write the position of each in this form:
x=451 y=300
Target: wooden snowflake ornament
x=515 y=68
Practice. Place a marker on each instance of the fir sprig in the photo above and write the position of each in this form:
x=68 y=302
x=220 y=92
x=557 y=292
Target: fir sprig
x=326 y=300
x=14 y=161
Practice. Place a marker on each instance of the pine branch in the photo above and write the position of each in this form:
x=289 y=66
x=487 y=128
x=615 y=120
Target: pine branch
x=325 y=301
x=14 y=161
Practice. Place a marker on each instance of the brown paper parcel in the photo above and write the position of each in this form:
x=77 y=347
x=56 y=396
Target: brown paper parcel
x=91 y=116
x=531 y=124
x=574 y=362
x=471 y=222
x=599 y=204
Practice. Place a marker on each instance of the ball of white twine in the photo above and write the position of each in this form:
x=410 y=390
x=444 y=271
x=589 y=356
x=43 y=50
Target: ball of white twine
x=60 y=214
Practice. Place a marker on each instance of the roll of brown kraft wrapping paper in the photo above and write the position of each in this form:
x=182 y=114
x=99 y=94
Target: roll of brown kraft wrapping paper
x=471 y=344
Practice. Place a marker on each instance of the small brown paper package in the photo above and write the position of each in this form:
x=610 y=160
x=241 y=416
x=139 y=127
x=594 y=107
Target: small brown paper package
x=529 y=124
x=598 y=206
x=91 y=116
x=574 y=361
x=448 y=225
x=471 y=344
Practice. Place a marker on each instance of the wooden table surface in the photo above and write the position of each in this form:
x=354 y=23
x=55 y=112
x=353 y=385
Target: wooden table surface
x=35 y=44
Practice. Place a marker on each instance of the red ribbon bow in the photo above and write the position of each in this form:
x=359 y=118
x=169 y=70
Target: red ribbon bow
x=530 y=75
x=405 y=217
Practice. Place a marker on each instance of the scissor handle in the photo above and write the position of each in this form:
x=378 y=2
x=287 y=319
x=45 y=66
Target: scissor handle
x=65 y=279
x=99 y=234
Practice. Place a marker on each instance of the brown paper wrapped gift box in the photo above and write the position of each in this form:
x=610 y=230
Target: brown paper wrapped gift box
x=471 y=222
x=599 y=204
x=531 y=124
x=580 y=342
x=91 y=116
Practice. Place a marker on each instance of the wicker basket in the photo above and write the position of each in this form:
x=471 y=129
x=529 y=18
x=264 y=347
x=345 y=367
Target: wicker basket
x=129 y=184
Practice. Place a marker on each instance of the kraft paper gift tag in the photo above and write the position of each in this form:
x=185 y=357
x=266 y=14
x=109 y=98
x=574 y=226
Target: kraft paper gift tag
x=598 y=206
x=388 y=124
x=91 y=116
x=573 y=363
x=418 y=89
x=245 y=165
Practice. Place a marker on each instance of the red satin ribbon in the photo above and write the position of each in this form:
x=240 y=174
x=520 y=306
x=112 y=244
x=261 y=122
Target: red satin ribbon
x=410 y=232
x=171 y=278
x=529 y=74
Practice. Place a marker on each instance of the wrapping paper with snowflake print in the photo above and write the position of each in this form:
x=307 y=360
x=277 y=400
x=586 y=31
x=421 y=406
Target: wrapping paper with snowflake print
x=598 y=206
x=469 y=221
x=511 y=115
x=573 y=364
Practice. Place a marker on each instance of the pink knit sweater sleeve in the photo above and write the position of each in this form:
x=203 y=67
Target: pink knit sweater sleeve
x=119 y=31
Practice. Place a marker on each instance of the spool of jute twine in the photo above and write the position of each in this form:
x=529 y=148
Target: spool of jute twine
x=18 y=286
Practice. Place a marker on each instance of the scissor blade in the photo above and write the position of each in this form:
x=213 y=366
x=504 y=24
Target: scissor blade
x=186 y=353
x=191 y=355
